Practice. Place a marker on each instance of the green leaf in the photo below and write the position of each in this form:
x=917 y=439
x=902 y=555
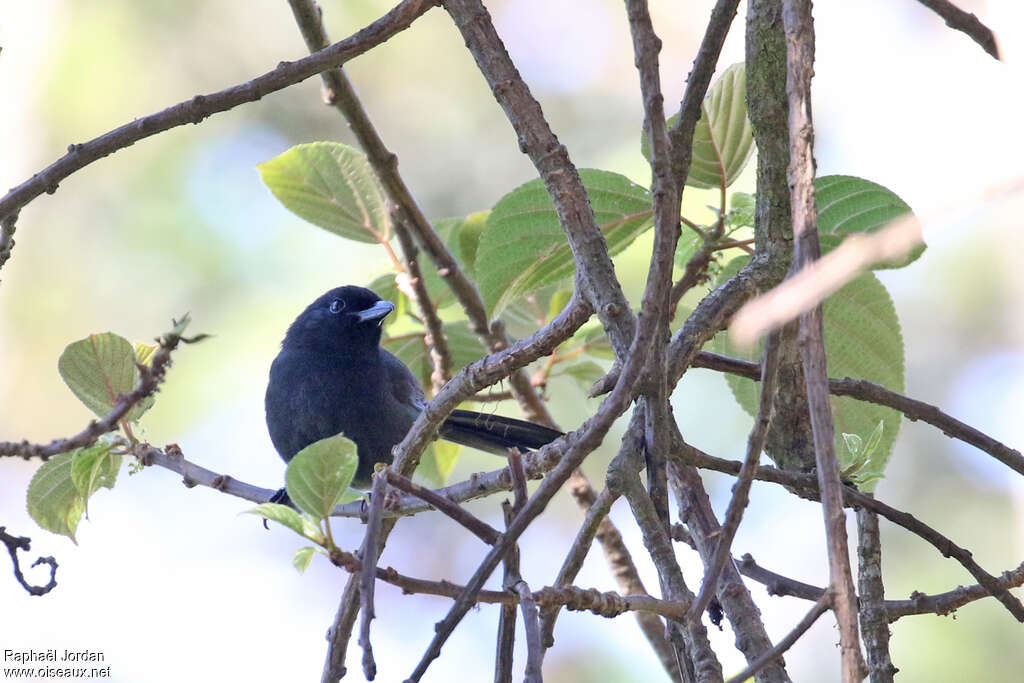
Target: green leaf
x=523 y=248
x=742 y=207
x=585 y=373
x=384 y=286
x=463 y=343
x=319 y=475
x=144 y=353
x=723 y=140
x=94 y=467
x=332 y=186
x=862 y=340
x=300 y=523
x=848 y=205
x=854 y=444
x=302 y=558
x=53 y=500
x=463 y=236
x=874 y=440
x=99 y=369
x=438 y=461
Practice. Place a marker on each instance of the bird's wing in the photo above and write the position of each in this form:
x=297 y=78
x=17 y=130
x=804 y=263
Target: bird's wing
x=403 y=386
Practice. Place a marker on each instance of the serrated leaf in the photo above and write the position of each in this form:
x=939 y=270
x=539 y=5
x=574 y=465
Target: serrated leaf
x=463 y=343
x=52 y=498
x=863 y=340
x=302 y=558
x=723 y=140
x=332 y=186
x=523 y=248
x=94 y=467
x=320 y=474
x=99 y=369
x=848 y=205
x=298 y=522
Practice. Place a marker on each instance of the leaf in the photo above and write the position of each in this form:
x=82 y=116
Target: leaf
x=523 y=248
x=332 y=186
x=742 y=207
x=94 y=467
x=463 y=343
x=99 y=369
x=320 y=474
x=462 y=236
x=437 y=462
x=862 y=340
x=848 y=205
x=302 y=558
x=290 y=517
x=723 y=140
x=53 y=500
x=585 y=373
x=854 y=445
x=144 y=353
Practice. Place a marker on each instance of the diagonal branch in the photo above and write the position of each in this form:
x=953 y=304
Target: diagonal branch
x=965 y=22
x=200 y=107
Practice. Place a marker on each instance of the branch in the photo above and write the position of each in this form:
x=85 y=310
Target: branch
x=787 y=641
x=806 y=485
x=200 y=107
x=863 y=390
x=484 y=531
x=965 y=22
x=697 y=85
x=16 y=543
x=799 y=30
x=367 y=579
x=874 y=625
x=150 y=378
x=741 y=489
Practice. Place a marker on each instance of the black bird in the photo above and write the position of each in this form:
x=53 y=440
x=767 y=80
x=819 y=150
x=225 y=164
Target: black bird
x=332 y=377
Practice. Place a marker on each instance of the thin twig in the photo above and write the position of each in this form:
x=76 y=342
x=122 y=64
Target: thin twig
x=807 y=484
x=23 y=543
x=787 y=641
x=196 y=109
x=150 y=378
x=503 y=659
x=741 y=489
x=965 y=22
x=368 y=577
x=864 y=390
x=484 y=531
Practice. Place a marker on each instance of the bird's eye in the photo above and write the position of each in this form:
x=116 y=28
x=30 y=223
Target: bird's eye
x=337 y=306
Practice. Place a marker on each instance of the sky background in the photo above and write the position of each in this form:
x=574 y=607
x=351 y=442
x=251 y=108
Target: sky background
x=170 y=582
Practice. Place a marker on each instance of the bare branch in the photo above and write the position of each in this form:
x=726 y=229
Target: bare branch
x=874 y=625
x=484 y=531
x=23 y=543
x=799 y=30
x=200 y=107
x=741 y=489
x=965 y=22
x=787 y=641
x=368 y=575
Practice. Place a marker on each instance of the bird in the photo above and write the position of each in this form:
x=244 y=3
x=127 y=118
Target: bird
x=332 y=377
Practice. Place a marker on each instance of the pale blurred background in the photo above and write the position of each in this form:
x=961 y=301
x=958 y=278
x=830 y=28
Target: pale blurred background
x=171 y=583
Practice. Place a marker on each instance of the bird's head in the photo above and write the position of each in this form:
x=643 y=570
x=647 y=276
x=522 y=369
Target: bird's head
x=344 y=319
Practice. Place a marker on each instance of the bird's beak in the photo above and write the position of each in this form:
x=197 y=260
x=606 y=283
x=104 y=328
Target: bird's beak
x=375 y=312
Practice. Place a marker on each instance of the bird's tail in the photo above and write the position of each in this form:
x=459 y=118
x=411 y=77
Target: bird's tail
x=495 y=433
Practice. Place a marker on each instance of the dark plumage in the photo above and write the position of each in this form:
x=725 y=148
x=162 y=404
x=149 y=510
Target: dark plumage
x=332 y=377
